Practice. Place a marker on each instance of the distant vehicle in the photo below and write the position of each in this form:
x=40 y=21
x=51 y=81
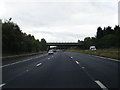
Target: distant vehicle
x=50 y=52
x=92 y=48
x=54 y=50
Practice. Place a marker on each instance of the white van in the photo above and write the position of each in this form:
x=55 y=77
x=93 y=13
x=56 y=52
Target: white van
x=92 y=48
x=50 y=52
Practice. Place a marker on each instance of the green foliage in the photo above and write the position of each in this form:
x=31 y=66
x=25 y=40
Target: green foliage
x=99 y=32
x=109 y=53
x=107 y=41
x=105 y=38
x=43 y=45
x=108 y=37
x=15 y=41
x=89 y=42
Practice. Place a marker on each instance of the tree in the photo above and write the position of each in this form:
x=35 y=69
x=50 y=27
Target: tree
x=108 y=41
x=117 y=34
x=99 y=32
x=43 y=44
x=15 y=41
x=109 y=30
x=89 y=41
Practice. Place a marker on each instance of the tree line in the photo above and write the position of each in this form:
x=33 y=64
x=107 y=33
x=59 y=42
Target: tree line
x=105 y=38
x=15 y=41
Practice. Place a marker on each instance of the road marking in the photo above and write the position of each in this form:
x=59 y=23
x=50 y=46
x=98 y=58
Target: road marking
x=38 y=64
x=77 y=62
x=71 y=57
x=83 y=67
x=36 y=57
x=48 y=58
x=101 y=85
x=27 y=70
x=2 y=85
x=107 y=58
x=18 y=62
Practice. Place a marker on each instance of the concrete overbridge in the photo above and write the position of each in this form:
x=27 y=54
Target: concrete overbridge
x=64 y=44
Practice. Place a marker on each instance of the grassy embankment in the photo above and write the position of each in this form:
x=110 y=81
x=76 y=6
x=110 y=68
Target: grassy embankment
x=113 y=53
x=9 y=56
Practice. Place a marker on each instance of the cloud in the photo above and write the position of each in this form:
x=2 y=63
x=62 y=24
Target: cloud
x=60 y=0
x=41 y=14
x=61 y=20
x=63 y=33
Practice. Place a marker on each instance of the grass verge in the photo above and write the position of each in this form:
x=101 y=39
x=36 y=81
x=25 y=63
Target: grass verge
x=109 y=53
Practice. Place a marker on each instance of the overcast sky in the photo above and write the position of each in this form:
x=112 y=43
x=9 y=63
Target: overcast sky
x=60 y=20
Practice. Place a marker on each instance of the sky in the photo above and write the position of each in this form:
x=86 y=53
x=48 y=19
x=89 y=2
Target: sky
x=60 y=20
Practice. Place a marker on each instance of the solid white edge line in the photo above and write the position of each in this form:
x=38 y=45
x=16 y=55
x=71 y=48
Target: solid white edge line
x=107 y=58
x=15 y=63
x=18 y=62
x=101 y=85
x=38 y=64
x=2 y=85
x=77 y=62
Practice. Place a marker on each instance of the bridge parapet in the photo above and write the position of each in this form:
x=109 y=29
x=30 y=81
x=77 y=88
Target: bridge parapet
x=64 y=44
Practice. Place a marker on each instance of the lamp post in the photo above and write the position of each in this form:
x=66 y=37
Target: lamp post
x=0 y=52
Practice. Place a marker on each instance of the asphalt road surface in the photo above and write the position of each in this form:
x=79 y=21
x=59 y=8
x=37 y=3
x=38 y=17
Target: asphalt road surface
x=61 y=70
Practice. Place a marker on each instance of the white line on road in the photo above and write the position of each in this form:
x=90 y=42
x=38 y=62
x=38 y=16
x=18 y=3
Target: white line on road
x=83 y=67
x=2 y=85
x=77 y=62
x=107 y=58
x=101 y=85
x=36 y=57
x=38 y=64
x=18 y=62
x=48 y=58
x=15 y=63
x=71 y=57
x=27 y=70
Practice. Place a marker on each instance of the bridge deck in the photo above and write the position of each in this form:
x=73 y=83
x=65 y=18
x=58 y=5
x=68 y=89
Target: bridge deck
x=64 y=44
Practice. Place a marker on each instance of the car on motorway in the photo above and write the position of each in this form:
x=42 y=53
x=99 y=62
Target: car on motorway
x=54 y=50
x=93 y=48
x=50 y=52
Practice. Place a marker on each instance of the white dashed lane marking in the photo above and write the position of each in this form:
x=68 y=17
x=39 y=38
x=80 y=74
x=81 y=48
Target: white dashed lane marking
x=83 y=67
x=77 y=62
x=38 y=64
x=101 y=85
x=2 y=85
x=48 y=58
x=71 y=57
x=27 y=70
